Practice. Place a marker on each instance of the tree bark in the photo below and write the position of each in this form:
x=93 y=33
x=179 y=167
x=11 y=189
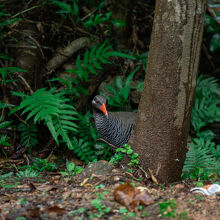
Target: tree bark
x=161 y=132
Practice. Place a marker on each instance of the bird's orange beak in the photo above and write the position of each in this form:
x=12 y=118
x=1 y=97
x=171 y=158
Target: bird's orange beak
x=103 y=109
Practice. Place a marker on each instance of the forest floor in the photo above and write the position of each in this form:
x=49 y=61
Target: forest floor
x=93 y=194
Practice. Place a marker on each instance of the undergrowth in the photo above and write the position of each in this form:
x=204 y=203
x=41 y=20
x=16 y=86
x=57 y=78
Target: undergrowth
x=203 y=158
x=54 y=105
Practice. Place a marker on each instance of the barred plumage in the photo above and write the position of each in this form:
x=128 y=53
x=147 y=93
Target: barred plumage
x=114 y=127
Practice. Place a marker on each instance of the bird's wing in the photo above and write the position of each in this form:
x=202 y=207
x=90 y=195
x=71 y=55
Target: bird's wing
x=127 y=118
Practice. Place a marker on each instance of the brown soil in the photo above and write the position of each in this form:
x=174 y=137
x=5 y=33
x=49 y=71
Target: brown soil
x=54 y=196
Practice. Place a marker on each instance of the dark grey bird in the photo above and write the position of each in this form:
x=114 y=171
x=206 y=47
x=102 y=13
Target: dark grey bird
x=114 y=127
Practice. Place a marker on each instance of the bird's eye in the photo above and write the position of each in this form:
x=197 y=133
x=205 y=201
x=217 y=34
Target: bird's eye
x=96 y=101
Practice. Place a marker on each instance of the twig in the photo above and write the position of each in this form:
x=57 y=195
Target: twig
x=26 y=10
x=100 y=139
x=145 y=173
x=84 y=18
x=25 y=82
x=38 y=45
x=34 y=40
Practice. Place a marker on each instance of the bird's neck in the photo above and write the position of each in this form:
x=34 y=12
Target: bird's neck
x=99 y=115
x=100 y=118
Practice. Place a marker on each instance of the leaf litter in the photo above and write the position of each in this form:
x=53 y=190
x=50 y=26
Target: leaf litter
x=109 y=195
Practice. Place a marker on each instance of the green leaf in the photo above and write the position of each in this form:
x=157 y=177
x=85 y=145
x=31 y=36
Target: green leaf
x=118 y=83
x=66 y=8
x=214 y=42
x=75 y=9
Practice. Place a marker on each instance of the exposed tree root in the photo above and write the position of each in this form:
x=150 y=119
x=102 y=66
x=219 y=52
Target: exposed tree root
x=63 y=54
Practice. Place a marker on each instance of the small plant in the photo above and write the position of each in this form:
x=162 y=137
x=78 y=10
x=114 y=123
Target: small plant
x=168 y=209
x=5 y=72
x=28 y=135
x=77 y=211
x=200 y=163
x=23 y=201
x=101 y=208
x=93 y=59
x=206 y=103
x=199 y=197
x=119 y=93
x=123 y=210
x=94 y=20
x=101 y=186
x=182 y=215
x=7 y=181
x=3 y=138
x=86 y=146
x=126 y=149
x=41 y=165
x=199 y=184
x=116 y=158
x=28 y=173
x=65 y=8
x=203 y=158
x=71 y=169
x=73 y=87
x=21 y=218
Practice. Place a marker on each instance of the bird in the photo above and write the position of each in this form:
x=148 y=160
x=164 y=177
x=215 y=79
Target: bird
x=115 y=128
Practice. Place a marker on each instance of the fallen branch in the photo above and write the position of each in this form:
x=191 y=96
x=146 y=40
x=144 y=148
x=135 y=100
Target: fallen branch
x=63 y=54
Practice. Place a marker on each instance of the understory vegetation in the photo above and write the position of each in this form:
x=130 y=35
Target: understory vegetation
x=57 y=114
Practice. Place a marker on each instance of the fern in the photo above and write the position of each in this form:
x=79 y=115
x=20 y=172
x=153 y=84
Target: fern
x=93 y=20
x=6 y=71
x=28 y=173
x=66 y=8
x=73 y=87
x=85 y=146
x=28 y=135
x=206 y=103
x=51 y=108
x=83 y=149
x=200 y=161
x=3 y=138
x=203 y=157
x=93 y=60
x=4 y=21
x=119 y=93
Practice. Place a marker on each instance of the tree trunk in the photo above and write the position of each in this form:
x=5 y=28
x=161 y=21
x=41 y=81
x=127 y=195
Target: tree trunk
x=160 y=136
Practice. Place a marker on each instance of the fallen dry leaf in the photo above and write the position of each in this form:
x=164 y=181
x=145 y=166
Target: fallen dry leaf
x=35 y=213
x=152 y=176
x=45 y=188
x=179 y=186
x=54 y=211
x=131 y=197
x=84 y=181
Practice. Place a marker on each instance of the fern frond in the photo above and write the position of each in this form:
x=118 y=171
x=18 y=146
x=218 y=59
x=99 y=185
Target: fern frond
x=3 y=138
x=93 y=60
x=28 y=135
x=206 y=103
x=5 y=105
x=51 y=108
x=207 y=86
x=200 y=161
x=83 y=150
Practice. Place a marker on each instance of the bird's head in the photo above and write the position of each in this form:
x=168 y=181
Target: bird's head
x=99 y=102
